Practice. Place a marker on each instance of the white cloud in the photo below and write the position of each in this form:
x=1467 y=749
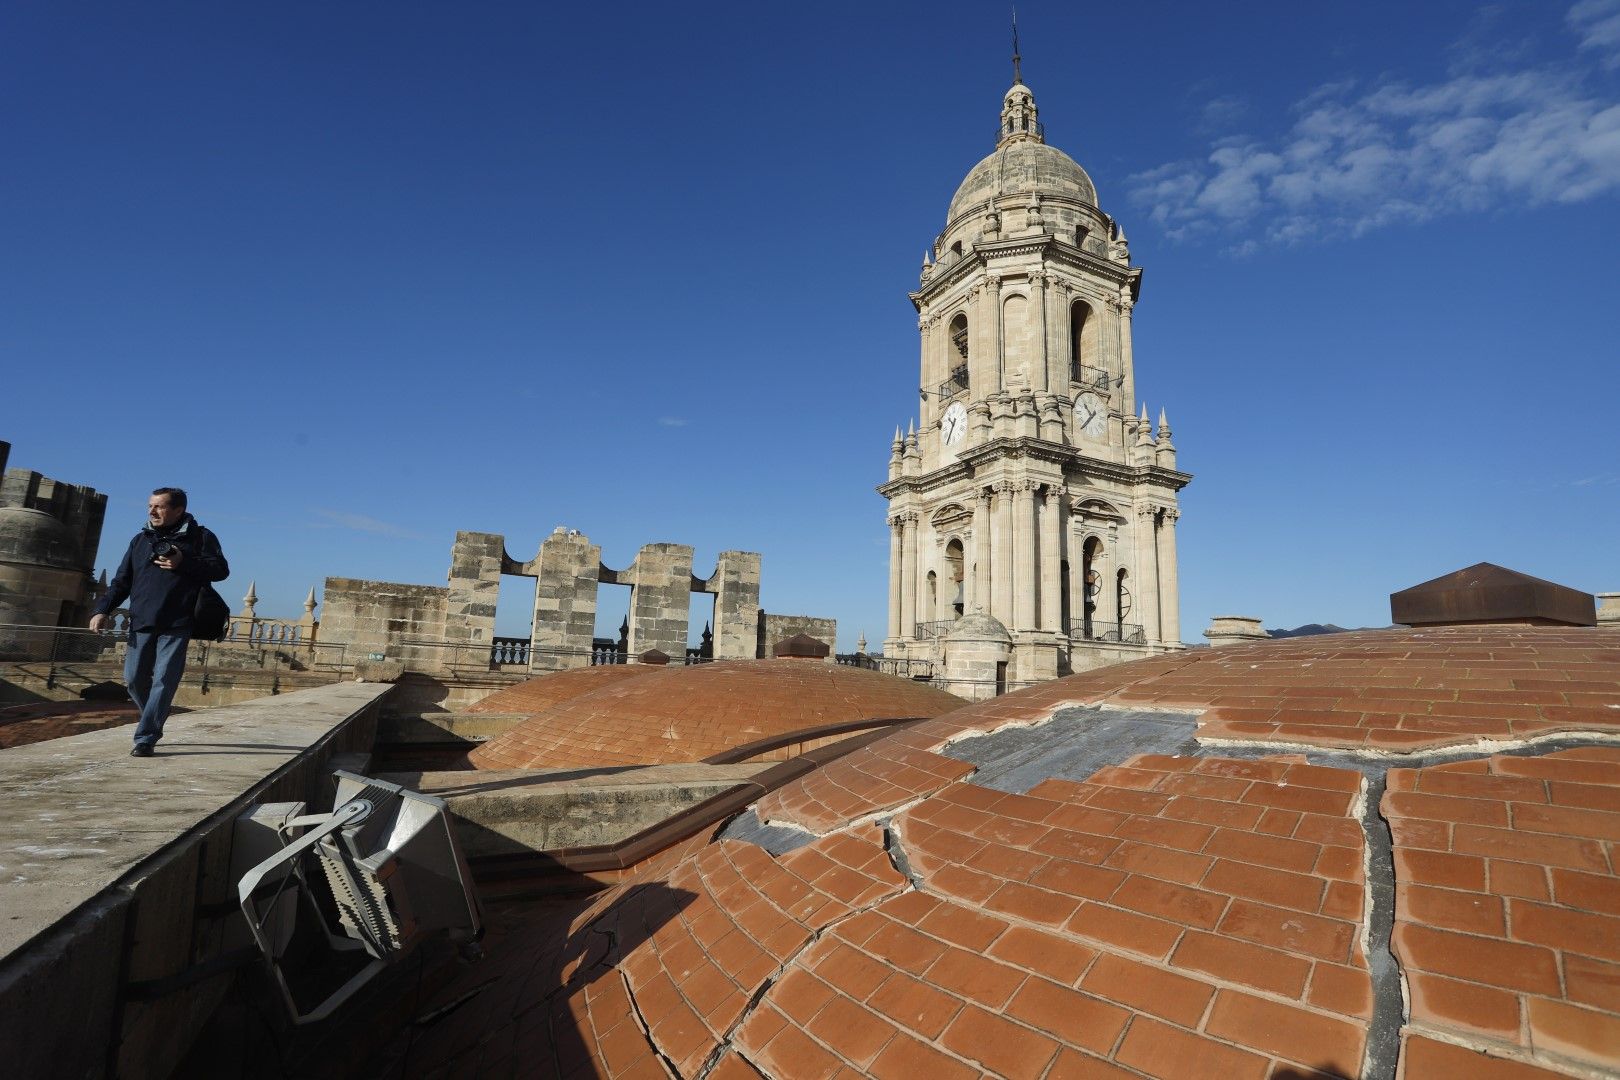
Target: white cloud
x=339 y=519
x=672 y=421
x=1598 y=24
x=1360 y=158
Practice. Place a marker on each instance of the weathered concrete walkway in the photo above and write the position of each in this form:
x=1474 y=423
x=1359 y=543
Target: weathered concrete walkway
x=113 y=869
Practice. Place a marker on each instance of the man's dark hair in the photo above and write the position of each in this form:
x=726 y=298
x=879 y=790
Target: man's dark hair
x=177 y=496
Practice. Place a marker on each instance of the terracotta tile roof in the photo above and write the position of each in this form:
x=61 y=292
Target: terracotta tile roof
x=1210 y=911
x=1508 y=902
x=688 y=713
x=544 y=691
x=1066 y=931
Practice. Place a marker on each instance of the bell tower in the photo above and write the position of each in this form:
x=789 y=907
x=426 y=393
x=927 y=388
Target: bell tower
x=1029 y=489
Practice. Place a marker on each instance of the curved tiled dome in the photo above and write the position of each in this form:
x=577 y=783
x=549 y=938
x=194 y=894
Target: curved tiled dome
x=1021 y=168
x=685 y=714
x=541 y=693
x=973 y=899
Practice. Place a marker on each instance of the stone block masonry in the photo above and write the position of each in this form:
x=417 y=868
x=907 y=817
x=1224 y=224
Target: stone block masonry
x=434 y=629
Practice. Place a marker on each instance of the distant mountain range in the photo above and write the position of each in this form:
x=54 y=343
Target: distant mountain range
x=1311 y=629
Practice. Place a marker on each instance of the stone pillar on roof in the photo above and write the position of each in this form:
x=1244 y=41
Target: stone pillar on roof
x=475 y=587
x=660 y=598
x=569 y=573
x=736 y=605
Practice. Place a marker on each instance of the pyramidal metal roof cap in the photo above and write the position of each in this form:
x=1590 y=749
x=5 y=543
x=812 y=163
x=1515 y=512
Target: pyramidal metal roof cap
x=1487 y=593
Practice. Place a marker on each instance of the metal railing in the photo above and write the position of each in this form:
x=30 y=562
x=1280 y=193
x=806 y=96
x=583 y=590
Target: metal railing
x=954 y=385
x=1122 y=633
x=927 y=631
x=1095 y=378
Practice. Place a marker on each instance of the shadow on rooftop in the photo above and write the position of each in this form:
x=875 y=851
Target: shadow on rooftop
x=525 y=1009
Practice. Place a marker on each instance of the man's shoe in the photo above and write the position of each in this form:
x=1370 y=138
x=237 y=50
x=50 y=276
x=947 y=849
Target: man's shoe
x=141 y=750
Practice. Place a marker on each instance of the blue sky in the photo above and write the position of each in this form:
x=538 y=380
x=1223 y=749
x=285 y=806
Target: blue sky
x=361 y=275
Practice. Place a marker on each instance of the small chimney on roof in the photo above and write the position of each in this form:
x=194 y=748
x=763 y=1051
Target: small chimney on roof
x=1487 y=593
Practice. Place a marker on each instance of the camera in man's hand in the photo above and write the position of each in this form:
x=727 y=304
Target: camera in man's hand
x=162 y=549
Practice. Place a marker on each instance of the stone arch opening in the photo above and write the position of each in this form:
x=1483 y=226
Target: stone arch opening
x=1091 y=579
x=954 y=559
x=1085 y=365
x=610 y=637
x=1122 y=598
x=958 y=332
x=514 y=614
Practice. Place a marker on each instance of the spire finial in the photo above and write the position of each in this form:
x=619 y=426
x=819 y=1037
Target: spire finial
x=1018 y=74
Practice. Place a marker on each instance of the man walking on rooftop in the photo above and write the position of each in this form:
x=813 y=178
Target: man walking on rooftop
x=166 y=566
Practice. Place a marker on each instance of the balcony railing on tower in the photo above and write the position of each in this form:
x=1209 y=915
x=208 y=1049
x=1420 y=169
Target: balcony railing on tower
x=954 y=385
x=1123 y=633
x=1095 y=378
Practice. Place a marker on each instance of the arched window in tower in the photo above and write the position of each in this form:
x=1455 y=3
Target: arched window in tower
x=953 y=568
x=1091 y=575
x=1085 y=365
x=957 y=379
x=1122 y=597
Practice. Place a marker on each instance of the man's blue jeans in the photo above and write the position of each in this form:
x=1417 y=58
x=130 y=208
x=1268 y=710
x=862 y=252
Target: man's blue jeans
x=153 y=664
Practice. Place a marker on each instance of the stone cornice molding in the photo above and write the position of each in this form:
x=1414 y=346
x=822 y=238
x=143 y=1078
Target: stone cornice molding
x=1070 y=460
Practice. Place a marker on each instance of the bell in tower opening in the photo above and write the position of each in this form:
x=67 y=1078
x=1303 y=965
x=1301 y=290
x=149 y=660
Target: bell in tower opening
x=1032 y=509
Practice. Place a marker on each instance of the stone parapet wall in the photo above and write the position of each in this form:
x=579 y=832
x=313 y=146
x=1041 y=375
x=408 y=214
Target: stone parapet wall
x=372 y=616
x=774 y=628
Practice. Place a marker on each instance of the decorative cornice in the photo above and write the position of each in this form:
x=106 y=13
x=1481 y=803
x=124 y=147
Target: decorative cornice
x=977 y=460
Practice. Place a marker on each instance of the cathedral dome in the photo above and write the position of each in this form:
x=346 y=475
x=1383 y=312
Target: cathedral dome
x=1020 y=168
x=1022 y=162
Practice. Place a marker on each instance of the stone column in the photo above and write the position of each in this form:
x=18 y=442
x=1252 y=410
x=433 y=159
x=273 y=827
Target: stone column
x=896 y=568
x=929 y=368
x=992 y=298
x=1147 y=571
x=908 y=574
x=921 y=543
x=1057 y=335
x=1001 y=547
x=980 y=571
x=1023 y=556
x=1077 y=578
x=1169 y=587
x=981 y=368
x=1127 y=364
x=1037 y=304
x=1051 y=561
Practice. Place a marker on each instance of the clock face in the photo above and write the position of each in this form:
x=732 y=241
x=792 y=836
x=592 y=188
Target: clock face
x=953 y=425
x=1090 y=415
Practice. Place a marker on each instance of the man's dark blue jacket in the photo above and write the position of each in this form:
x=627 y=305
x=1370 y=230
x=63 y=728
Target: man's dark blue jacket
x=159 y=599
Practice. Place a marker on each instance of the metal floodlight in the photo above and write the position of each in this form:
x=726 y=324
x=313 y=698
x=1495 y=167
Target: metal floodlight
x=390 y=874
